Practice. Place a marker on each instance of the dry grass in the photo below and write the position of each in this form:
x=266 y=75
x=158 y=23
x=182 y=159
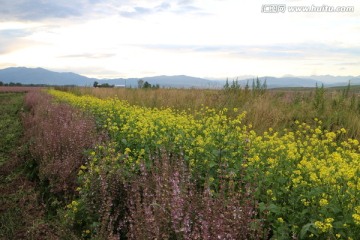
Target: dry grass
x=277 y=109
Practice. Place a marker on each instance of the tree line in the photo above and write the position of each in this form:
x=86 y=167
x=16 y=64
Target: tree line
x=12 y=84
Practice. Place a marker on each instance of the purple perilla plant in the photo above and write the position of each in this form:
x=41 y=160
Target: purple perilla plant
x=164 y=203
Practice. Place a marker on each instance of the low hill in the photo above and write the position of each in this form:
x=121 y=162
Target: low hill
x=42 y=76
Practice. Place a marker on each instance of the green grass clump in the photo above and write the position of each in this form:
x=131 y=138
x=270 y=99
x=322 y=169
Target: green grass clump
x=10 y=124
x=10 y=133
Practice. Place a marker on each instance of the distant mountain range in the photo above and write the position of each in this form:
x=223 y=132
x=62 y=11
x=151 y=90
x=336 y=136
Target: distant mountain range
x=42 y=76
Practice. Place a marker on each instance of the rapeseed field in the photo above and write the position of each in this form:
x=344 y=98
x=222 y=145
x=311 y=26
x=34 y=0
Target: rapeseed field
x=305 y=181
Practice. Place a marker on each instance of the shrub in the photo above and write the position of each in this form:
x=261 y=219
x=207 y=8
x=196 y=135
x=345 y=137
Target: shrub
x=159 y=202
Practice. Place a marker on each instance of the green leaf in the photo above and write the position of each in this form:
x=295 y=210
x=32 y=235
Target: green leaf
x=271 y=208
x=212 y=164
x=274 y=209
x=305 y=229
x=262 y=206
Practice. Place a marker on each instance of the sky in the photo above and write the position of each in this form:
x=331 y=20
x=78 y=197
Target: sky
x=201 y=38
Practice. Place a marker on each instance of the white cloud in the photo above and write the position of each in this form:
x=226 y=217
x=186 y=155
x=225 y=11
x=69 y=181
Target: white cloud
x=200 y=38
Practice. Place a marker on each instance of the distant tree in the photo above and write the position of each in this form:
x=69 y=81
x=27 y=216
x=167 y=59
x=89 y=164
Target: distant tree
x=106 y=85
x=247 y=87
x=235 y=84
x=264 y=87
x=147 y=85
x=227 y=86
x=346 y=91
x=1 y=83
x=258 y=83
x=140 y=83
x=258 y=87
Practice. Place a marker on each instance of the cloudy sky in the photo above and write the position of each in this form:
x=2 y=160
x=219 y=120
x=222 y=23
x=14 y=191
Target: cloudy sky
x=202 y=38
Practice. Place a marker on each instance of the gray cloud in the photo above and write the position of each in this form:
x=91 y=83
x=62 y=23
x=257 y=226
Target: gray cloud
x=188 y=6
x=265 y=51
x=180 y=6
x=38 y=9
x=14 y=33
x=136 y=11
x=35 y=10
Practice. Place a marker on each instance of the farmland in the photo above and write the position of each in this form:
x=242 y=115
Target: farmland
x=196 y=164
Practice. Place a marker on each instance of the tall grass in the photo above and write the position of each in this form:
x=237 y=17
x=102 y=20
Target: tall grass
x=277 y=109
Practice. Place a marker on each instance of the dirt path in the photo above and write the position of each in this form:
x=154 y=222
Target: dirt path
x=22 y=215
